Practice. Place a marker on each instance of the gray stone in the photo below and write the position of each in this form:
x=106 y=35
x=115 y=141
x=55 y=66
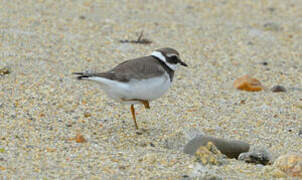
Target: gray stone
x=278 y=88
x=257 y=157
x=300 y=133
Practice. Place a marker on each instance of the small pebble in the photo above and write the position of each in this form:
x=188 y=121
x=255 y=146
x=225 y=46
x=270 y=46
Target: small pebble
x=80 y=138
x=4 y=71
x=300 y=133
x=139 y=133
x=264 y=63
x=185 y=176
x=87 y=114
x=278 y=88
x=256 y=157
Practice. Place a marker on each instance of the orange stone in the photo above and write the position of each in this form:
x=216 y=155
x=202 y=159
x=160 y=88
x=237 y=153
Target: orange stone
x=80 y=138
x=247 y=83
x=50 y=149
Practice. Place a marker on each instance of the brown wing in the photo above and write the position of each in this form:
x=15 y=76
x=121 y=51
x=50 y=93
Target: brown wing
x=140 y=68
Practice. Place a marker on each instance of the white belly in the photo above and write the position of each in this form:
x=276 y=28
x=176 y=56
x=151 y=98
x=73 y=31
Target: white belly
x=148 y=89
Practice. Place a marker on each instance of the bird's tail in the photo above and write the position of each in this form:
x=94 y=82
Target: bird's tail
x=83 y=75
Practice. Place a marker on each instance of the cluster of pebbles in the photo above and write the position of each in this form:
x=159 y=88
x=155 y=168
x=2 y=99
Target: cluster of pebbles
x=53 y=127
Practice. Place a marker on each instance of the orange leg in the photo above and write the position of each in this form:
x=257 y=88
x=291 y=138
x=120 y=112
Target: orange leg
x=133 y=115
x=146 y=104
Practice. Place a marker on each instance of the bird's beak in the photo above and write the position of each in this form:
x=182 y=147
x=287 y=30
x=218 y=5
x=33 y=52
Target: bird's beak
x=182 y=63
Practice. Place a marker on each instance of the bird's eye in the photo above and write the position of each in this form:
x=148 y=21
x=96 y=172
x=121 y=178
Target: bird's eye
x=173 y=59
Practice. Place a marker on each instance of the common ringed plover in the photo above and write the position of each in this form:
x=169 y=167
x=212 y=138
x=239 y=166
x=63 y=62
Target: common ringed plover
x=140 y=80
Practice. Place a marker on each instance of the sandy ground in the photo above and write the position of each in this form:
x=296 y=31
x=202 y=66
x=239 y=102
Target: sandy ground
x=42 y=106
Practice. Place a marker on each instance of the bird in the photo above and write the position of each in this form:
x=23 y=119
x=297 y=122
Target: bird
x=139 y=80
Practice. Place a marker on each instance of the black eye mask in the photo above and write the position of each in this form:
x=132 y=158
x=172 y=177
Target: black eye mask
x=173 y=60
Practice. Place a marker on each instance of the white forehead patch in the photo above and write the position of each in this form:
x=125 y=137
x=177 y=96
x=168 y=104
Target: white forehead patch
x=160 y=56
x=170 y=55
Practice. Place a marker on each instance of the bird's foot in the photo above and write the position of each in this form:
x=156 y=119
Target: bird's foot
x=146 y=104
